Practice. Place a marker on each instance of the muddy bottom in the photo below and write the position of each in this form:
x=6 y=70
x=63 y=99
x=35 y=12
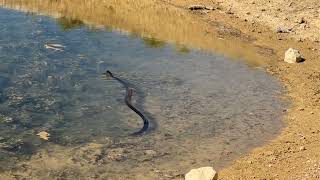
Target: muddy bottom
x=204 y=108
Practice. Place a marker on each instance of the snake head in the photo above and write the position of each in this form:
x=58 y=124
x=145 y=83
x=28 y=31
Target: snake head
x=108 y=73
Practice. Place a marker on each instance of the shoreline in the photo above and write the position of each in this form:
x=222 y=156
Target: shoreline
x=295 y=153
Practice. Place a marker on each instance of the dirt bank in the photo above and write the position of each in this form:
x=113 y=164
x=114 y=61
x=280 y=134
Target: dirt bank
x=300 y=18
x=295 y=154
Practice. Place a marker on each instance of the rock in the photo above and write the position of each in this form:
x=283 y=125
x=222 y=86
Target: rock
x=91 y=153
x=52 y=80
x=6 y=119
x=203 y=173
x=302 y=148
x=117 y=154
x=293 y=56
x=12 y=144
x=44 y=135
x=200 y=7
x=301 y=21
x=283 y=30
x=150 y=152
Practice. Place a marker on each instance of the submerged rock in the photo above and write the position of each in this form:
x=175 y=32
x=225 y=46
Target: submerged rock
x=150 y=152
x=203 y=173
x=293 y=56
x=44 y=135
x=117 y=154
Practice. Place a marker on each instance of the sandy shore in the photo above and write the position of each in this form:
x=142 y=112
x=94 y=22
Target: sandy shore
x=250 y=25
x=295 y=154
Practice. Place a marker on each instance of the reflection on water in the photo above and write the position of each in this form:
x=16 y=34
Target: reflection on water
x=152 y=42
x=151 y=18
x=206 y=109
x=68 y=23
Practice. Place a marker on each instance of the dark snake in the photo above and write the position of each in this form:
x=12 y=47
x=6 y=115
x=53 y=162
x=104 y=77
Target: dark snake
x=127 y=100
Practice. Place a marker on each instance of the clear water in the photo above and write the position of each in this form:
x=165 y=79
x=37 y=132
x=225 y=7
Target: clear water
x=204 y=108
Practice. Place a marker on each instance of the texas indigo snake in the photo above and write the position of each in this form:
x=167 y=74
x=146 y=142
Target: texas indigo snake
x=127 y=99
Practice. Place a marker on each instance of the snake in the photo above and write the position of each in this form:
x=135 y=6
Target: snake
x=127 y=100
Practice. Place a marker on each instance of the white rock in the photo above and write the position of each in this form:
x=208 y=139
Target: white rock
x=302 y=148
x=203 y=173
x=293 y=56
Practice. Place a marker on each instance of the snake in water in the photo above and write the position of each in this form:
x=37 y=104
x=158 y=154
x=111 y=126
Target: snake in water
x=127 y=100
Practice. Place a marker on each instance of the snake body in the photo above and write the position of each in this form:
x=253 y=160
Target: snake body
x=127 y=100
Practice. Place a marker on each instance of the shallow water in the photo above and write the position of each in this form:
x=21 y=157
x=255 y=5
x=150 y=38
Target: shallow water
x=204 y=108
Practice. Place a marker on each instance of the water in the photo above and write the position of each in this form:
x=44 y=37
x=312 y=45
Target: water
x=204 y=108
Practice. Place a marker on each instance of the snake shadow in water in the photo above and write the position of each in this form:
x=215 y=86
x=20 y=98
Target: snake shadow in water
x=149 y=123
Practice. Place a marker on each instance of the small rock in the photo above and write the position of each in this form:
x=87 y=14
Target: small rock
x=150 y=152
x=8 y=119
x=203 y=173
x=293 y=56
x=268 y=153
x=117 y=154
x=44 y=135
x=52 y=80
x=302 y=148
x=200 y=7
x=301 y=21
x=283 y=30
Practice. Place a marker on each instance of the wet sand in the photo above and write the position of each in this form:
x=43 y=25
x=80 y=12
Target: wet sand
x=295 y=154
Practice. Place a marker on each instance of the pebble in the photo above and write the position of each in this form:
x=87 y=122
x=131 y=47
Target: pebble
x=8 y=119
x=283 y=30
x=302 y=148
x=150 y=152
x=200 y=7
x=301 y=21
x=203 y=173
